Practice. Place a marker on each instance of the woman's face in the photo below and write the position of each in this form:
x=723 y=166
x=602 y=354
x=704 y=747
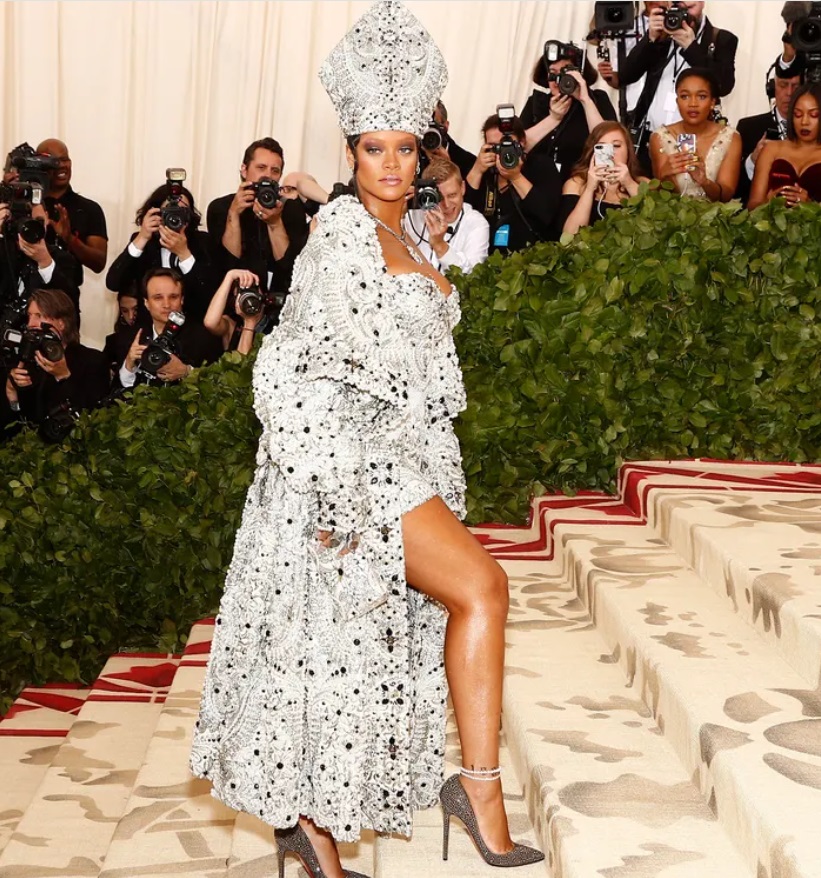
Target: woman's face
x=805 y=119
x=128 y=309
x=695 y=102
x=387 y=163
x=616 y=138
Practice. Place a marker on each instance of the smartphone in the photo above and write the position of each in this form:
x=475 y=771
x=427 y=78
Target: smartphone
x=603 y=155
x=781 y=178
x=773 y=134
x=687 y=143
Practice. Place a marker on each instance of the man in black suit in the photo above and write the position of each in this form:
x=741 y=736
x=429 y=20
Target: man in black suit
x=162 y=291
x=246 y=234
x=755 y=131
x=450 y=149
x=662 y=55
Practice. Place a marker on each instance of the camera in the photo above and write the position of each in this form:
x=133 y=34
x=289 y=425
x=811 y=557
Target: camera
x=21 y=345
x=806 y=38
x=567 y=84
x=426 y=195
x=435 y=137
x=160 y=350
x=174 y=214
x=251 y=301
x=614 y=18
x=58 y=423
x=340 y=189
x=509 y=150
x=554 y=51
x=267 y=192
x=675 y=17
x=21 y=197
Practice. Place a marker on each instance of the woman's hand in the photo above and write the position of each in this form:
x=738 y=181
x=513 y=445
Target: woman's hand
x=149 y=227
x=793 y=194
x=596 y=174
x=242 y=276
x=696 y=169
x=619 y=175
x=560 y=106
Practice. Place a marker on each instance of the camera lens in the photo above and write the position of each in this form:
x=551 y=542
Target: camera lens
x=808 y=35
x=249 y=304
x=267 y=194
x=32 y=231
x=155 y=358
x=52 y=350
x=431 y=139
x=615 y=15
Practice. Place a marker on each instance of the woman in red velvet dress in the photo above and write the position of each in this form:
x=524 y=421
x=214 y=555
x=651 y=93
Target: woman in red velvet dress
x=791 y=168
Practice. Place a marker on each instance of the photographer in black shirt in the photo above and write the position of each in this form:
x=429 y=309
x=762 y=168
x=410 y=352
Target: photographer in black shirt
x=255 y=228
x=518 y=194
x=563 y=108
x=166 y=240
x=46 y=381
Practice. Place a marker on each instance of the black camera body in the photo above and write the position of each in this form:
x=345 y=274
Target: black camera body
x=510 y=152
x=566 y=83
x=266 y=191
x=21 y=345
x=435 y=137
x=426 y=195
x=174 y=214
x=675 y=17
x=159 y=350
x=252 y=301
x=806 y=39
x=58 y=423
x=21 y=196
x=613 y=19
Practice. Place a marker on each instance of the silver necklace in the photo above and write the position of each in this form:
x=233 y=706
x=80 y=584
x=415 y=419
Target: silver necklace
x=401 y=238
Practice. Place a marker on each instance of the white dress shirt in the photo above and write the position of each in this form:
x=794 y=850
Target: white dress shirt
x=127 y=377
x=663 y=108
x=468 y=239
x=749 y=165
x=184 y=265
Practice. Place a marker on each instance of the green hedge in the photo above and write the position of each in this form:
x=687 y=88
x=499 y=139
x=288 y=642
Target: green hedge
x=672 y=329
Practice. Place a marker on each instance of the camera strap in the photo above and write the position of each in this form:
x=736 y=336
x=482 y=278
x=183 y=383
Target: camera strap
x=517 y=204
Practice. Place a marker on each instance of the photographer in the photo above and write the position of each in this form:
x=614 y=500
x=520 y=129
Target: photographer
x=168 y=237
x=563 y=109
x=263 y=236
x=447 y=148
x=520 y=202
x=79 y=222
x=791 y=62
x=757 y=131
x=57 y=370
x=679 y=36
x=452 y=233
x=28 y=262
x=129 y=313
x=227 y=320
x=193 y=345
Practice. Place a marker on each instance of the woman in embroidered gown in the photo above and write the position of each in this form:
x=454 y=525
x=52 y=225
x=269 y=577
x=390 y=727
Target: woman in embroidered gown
x=323 y=710
x=791 y=168
x=710 y=172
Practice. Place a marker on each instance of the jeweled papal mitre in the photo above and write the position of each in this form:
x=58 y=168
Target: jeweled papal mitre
x=386 y=74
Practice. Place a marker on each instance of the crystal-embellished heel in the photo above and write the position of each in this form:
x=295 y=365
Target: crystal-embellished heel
x=295 y=841
x=455 y=803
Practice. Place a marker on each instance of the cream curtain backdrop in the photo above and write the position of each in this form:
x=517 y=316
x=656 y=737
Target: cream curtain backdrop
x=135 y=87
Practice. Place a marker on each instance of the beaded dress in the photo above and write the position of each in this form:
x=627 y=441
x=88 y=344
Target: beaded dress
x=325 y=691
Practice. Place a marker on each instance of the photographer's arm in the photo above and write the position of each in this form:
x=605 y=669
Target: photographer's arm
x=536 y=133
x=306 y=186
x=584 y=192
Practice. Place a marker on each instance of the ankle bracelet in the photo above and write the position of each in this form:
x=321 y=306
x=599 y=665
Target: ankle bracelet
x=489 y=774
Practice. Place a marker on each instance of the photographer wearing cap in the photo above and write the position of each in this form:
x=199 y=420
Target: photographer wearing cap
x=169 y=236
x=563 y=108
x=680 y=36
x=255 y=228
x=518 y=194
x=757 y=131
x=79 y=222
x=55 y=370
x=29 y=258
x=192 y=345
x=452 y=233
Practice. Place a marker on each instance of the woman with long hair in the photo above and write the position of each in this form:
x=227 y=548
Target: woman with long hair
x=354 y=587
x=791 y=168
x=698 y=155
x=607 y=173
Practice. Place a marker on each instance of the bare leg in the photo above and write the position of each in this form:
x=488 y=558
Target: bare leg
x=324 y=848
x=446 y=562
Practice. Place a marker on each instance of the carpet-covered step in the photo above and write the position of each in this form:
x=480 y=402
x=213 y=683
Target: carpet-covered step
x=68 y=822
x=422 y=854
x=609 y=793
x=743 y=722
x=171 y=824
x=30 y=736
x=762 y=552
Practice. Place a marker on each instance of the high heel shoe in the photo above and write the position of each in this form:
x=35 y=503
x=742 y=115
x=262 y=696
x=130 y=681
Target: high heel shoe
x=296 y=841
x=455 y=802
